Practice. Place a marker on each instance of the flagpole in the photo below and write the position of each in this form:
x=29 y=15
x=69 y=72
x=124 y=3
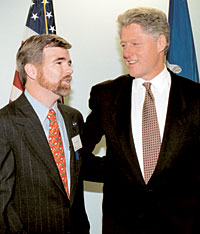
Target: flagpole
x=45 y=17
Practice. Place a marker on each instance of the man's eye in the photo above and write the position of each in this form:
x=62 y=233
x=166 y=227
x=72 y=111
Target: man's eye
x=59 y=62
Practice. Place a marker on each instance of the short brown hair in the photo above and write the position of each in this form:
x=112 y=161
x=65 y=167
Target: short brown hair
x=32 y=49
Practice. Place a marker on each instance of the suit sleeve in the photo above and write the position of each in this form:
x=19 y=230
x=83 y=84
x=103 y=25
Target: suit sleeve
x=9 y=220
x=92 y=133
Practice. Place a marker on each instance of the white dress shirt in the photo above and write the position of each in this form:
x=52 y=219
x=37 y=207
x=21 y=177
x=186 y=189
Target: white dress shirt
x=160 y=87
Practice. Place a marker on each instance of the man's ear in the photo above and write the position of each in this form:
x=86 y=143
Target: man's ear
x=31 y=70
x=161 y=43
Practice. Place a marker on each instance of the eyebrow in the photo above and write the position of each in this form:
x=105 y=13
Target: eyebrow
x=62 y=58
x=59 y=58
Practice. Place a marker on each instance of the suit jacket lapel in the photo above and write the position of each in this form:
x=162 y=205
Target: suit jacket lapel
x=175 y=122
x=121 y=118
x=34 y=137
x=75 y=161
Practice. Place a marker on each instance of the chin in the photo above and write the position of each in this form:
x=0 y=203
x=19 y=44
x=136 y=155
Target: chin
x=63 y=92
x=133 y=74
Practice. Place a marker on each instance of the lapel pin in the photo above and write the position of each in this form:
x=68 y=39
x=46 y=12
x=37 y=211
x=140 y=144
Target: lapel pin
x=74 y=123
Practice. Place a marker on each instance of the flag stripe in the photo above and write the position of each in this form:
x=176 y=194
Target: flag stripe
x=16 y=92
x=17 y=81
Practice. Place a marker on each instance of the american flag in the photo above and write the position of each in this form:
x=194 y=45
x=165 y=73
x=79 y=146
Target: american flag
x=40 y=20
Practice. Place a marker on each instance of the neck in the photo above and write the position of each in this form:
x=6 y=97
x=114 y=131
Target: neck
x=44 y=96
x=155 y=72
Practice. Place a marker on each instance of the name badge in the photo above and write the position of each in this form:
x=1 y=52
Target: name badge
x=76 y=141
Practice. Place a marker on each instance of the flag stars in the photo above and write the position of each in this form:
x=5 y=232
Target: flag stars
x=34 y=16
x=32 y=3
x=45 y=1
x=52 y=29
x=49 y=15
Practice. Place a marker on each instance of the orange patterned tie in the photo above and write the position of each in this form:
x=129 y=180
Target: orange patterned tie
x=151 y=140
x=56 y=145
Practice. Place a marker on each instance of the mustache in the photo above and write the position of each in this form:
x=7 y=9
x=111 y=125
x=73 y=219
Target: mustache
x=69 y=77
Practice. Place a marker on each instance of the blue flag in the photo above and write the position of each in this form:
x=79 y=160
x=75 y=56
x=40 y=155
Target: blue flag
x=41 y=17
x=40 y=20
x=181 y=56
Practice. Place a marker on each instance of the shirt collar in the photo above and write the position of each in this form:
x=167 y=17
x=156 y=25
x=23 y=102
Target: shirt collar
x=158 y=83
x=40 y=109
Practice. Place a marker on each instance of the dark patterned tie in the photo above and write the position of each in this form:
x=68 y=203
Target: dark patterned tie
x=151 y=140
x=56 y=145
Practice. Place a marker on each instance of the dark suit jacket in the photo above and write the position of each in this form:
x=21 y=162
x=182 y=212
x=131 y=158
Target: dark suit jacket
x=32 y=196
x=170 y=202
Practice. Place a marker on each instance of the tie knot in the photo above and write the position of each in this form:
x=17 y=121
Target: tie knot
x=51 y=115
x=149 y=93
x=147 y=85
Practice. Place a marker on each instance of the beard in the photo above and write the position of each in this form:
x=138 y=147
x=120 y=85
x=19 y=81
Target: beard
x=60 y=88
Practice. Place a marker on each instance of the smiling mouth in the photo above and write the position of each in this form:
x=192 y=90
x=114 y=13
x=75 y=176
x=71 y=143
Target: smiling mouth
x=131 y=62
